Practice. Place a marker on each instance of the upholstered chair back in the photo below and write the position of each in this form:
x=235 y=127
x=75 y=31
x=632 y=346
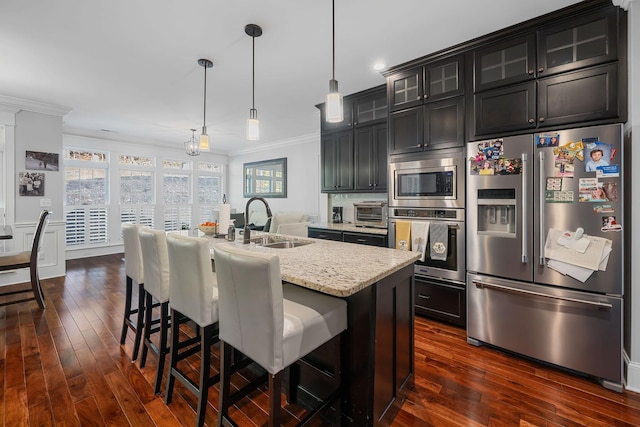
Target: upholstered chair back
x=155 y=261
x=132 y=252
x=192 y=284
x=251 y=304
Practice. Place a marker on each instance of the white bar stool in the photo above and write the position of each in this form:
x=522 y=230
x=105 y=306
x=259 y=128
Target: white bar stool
x=271 y=323
x=155 y=260
x=194 y=296
x=135 y=273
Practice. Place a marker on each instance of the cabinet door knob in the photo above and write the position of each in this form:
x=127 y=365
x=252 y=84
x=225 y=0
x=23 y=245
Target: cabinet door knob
x=540 y=70
x=531 y=72
x=426 y=96
x=541 y=119
x=532 y=121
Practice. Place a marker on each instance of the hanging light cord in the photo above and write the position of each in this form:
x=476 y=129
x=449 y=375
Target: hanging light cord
x=333 y=37
x=204 y=117
x=253 y=73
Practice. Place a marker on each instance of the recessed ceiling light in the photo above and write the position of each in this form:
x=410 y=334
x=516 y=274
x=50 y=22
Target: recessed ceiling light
x=378 y=66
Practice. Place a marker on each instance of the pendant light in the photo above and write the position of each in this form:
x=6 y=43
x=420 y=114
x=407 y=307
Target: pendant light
x=334 y=113
x=192 y=146
x=204 y=138
x=253 y=125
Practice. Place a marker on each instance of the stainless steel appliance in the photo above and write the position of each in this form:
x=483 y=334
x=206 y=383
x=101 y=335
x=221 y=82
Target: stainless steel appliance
x=453 y=268
x=436 y=181
x=520 y=188
x=337 y=215
x=371 y=214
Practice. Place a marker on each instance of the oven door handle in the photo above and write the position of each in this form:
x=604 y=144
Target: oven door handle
x=525 y=210
x=453 y=225
x=502 y=288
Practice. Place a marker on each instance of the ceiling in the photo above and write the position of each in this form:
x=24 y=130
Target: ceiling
x=128 y=70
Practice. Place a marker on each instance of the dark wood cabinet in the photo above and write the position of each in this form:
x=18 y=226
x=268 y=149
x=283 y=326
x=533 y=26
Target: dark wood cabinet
x=432 y=126
x=355 y=158
x=323 y=233
x=581 y=42
x=580 y=96
x=371 y=158
x=362 y=238
x=504 y=63
x=337 y=161
x=441 y=300
x=505 y=109
x=569 y=78
x=427 y=106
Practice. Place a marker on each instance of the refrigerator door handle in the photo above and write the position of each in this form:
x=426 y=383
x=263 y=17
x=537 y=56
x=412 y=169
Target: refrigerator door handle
x=543 y=180
x=502 y=288
x=525 y=211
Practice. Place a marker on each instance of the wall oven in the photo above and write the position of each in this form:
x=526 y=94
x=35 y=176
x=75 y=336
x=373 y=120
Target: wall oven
x=454 y=267
x=430 y=182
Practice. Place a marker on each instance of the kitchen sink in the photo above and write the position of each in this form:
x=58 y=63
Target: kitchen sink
x=278 y=242
x=286 y=244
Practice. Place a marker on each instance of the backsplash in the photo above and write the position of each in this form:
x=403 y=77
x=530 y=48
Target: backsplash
x=347 y=201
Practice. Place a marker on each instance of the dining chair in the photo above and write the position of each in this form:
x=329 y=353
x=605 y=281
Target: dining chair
x=28 y=259
x=273 y=324
x=134 y=271
x=193 y=295
x=155 y=261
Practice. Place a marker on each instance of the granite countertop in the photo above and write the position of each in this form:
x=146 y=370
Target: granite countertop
x=350 y=227
x=335 y=268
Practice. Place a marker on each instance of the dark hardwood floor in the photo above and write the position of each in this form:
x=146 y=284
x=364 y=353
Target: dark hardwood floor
x=64 y=366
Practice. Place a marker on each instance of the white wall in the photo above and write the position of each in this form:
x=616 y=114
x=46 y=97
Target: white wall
x=303 y=177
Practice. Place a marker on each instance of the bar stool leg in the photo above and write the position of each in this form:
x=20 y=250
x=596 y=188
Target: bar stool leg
x=139 y=321
x=164 y=349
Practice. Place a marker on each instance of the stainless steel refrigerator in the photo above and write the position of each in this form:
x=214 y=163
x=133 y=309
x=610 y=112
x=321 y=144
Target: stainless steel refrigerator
x=529 y=198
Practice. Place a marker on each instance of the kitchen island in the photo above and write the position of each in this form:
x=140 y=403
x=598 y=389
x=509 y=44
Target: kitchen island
x=378 y=354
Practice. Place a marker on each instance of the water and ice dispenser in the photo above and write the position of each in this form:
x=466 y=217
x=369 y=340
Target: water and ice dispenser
x=497 y=212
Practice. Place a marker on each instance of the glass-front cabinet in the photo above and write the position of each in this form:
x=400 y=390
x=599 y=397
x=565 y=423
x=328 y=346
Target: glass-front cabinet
x=589 y=40
x=504 y=63
x=370 y=109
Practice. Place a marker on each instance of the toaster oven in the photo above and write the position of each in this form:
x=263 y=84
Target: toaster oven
x=371 y=214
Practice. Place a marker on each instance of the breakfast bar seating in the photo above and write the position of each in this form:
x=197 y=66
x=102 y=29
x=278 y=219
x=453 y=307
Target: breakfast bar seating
x=273 y=324
x=134 y=273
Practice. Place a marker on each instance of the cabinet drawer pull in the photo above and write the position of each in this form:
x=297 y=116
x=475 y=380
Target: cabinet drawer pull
x=424 y=296
x=541 y=119
x=361 y=240
x=532 y=121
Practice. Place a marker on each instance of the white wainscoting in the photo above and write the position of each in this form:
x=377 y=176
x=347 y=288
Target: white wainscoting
x=52 y=256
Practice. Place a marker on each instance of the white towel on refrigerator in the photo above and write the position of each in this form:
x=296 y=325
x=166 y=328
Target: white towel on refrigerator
x=419 y=237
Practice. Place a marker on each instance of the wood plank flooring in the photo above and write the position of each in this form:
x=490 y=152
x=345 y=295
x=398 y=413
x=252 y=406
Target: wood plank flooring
x=64 y=366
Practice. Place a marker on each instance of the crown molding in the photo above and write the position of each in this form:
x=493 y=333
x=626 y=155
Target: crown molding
x=622 y=3
x=303 y=139
x=19 y=104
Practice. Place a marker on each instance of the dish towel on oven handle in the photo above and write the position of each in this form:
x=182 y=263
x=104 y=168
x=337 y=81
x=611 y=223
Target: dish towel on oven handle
x=420 y=237
x=439 y=234
x=403 y=235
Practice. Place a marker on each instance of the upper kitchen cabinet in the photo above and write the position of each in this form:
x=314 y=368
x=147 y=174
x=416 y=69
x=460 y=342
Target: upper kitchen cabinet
x=336 y=157
x=370 y=109
x=427 y=105
x=504 y=63
x=556 y=72
x=578 y=43
x=425 y=83
x=371 y=158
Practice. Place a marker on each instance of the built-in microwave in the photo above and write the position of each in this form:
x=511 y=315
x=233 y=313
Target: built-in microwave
x=436 y=182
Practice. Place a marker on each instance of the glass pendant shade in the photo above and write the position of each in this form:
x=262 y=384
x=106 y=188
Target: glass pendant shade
x=334 y=112
x=204 y=140
x=192 y=147
x=253 y=126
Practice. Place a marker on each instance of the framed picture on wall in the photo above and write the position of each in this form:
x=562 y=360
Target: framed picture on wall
x=36 y=160
x=31 y=184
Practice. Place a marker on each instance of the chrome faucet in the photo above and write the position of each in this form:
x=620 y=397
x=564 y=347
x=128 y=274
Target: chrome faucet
x=247 y=230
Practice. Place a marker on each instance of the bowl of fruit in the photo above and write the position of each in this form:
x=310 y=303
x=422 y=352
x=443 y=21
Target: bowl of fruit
x=208 y=227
